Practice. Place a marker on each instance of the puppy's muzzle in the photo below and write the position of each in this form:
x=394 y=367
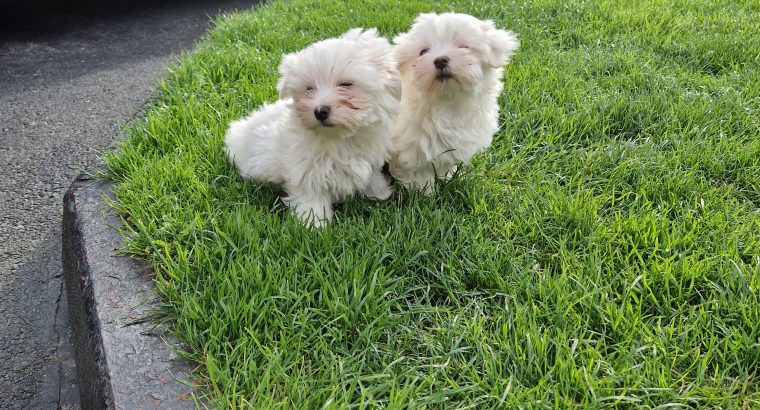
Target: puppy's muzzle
x=322 y=113
x=442 y=64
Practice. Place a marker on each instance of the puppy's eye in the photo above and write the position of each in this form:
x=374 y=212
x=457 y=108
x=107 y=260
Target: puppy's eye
x=309 y=88
x=464 y=46
x=346 y=84
x=424 y=51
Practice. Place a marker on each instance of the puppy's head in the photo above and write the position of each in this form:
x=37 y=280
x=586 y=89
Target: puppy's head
x=452 y=51
x=342 y=84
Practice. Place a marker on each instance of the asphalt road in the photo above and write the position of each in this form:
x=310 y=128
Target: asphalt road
x=69 y=75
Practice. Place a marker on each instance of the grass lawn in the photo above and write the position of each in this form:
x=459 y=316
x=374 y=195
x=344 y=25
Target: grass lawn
x=604 y=253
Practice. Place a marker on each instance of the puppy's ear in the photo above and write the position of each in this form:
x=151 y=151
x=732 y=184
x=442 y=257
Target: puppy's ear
x=286 y=72
x=373 y=48
x=501 y=43
x=393 y=83
x=378 y=52
x=422 y=18
x=399 y=51
x=403 y=42
x=383 y=59
x=360 y=34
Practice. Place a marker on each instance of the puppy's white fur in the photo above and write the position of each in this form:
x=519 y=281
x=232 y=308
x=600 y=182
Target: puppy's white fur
x=321 y=162
x=447 y=114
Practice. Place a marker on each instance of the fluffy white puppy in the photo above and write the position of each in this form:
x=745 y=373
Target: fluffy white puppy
x=451 y=68
x=329 y=134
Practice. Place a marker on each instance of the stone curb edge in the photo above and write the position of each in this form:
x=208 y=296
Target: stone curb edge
x=121 y=362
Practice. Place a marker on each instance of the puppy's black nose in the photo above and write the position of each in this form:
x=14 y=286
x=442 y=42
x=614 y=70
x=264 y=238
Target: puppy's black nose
x=322 y=112
x=441 y=62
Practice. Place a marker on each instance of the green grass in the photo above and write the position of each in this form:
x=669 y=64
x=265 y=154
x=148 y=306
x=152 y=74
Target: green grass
x=604 y=253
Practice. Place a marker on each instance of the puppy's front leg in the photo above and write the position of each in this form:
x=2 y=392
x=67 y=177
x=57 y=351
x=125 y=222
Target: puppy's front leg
x=378 y=187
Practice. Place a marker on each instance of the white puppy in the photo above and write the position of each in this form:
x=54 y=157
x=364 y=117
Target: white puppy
x=451 y=67
x=329 y=134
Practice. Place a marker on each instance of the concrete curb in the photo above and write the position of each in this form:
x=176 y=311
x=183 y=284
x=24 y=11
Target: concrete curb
x=121 y=363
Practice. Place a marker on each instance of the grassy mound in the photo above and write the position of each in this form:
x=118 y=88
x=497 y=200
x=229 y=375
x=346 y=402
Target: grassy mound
x=605 y=252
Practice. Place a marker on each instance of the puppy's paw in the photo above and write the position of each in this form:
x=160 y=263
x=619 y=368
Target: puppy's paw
x=316 y=223
x=313 y=221
x=427 y=190
x=381 y=194
x=312 y=214
x=421 y=183
x=378 y=188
